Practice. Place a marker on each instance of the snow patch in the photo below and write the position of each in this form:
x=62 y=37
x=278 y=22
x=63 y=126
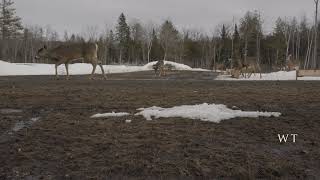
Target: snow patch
x=128 y=121
x=10 y=111
x=18 y=126
x=274 y=76
x=205 y=112
x=21 y=124
x=35 y=119
x=16 y=69
x=113 y=114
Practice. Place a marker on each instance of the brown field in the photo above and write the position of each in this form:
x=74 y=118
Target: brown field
x=66 y=144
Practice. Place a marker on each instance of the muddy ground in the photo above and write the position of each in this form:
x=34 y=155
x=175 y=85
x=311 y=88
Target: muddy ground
x=62 y=142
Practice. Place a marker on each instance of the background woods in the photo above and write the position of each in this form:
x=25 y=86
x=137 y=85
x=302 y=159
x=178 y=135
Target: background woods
x=292 y=39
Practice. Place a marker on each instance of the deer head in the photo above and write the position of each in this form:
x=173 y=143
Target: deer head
x=42 y=53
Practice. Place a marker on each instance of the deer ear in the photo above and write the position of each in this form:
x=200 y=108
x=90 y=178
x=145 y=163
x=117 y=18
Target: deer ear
x=45 y=46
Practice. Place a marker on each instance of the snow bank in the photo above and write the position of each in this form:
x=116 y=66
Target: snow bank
x=14 y=69
x=204 y=112
x=176 y=66
x=113 y=114
x=274 y=76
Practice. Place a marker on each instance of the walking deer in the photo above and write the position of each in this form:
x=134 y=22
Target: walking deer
x=65 y=54
x=159 y=66
x=250 y=66
x=246 y=68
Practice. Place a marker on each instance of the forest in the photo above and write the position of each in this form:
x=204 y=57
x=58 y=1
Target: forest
x=292 y=38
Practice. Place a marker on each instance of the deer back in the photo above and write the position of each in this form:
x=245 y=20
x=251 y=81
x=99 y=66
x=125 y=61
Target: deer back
x=73 y=51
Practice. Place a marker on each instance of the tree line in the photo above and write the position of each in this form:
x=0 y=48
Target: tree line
x=139 y=43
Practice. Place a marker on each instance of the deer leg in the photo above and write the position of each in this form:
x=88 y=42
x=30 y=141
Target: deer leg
x=56 y=67
x=259 y=69
x=67 y=69
x=103 y=73
x=94 y=65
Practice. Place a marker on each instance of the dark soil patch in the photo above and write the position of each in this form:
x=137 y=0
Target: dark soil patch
x=66 y=143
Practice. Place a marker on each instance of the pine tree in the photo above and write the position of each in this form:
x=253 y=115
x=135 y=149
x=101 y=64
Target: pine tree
x=223 y=33
x=236 y=45
x=156 y=48
x=123 y=37
x=168 y=38
x=111 y=47
x=10 y=24
x=236 y=38
x=224 y=51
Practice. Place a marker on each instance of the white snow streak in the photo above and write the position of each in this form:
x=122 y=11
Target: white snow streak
x=113 y=114
x=274 y=76
x=204 y=112
x=16 y=69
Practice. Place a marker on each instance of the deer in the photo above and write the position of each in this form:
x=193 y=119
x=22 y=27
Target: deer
x=249 y=67
x=292 y=64
x=66 y=53
x=159 y=66
x=245 y=68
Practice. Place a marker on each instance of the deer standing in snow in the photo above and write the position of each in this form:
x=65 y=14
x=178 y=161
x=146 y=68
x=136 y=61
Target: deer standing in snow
x=159 y=66
x=250 y=66
x=65 y=54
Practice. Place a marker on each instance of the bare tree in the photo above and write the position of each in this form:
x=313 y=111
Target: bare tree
x=91 y=33
x=150 y=29
x=315 y=53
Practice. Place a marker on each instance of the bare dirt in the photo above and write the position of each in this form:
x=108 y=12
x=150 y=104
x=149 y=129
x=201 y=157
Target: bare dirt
x=64 y=143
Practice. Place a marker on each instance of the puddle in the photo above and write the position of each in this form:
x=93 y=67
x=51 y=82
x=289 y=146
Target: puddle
x=10 y=111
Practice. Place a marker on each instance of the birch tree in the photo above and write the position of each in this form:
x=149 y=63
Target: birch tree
x=315 y=50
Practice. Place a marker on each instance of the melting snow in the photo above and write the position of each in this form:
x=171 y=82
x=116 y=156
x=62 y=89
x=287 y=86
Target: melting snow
x=14 y=69
x=113 y=114
x=21 y=124
x=128 y=121
x=274 y=76
x=204 y=112
x=18 y=126
x=10 y=111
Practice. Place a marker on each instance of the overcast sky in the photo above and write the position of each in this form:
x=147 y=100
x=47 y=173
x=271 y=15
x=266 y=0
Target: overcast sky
x=75 y=15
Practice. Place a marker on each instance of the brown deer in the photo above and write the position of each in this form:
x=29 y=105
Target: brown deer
x=250 y=66
x=292 y=64
x=65 y=54
x=245 y=68
x=159 y=66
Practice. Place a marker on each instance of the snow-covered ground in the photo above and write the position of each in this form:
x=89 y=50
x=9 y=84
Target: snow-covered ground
x=275 y=76
x=15 y=69
x=205 y=112
x=113 y=114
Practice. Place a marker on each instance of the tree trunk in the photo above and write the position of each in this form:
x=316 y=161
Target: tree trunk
x=315 y=53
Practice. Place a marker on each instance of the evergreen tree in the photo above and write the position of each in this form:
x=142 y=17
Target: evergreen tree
x=236 y=39
x=250 y=29
x=225 y=55
x=111 y=47
x=168 y=38
x=10 y=24
x=280 y=41
x=236 y=47
x=156 y=48
x=137 y=47
x=223 y=33
x=123 y=38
